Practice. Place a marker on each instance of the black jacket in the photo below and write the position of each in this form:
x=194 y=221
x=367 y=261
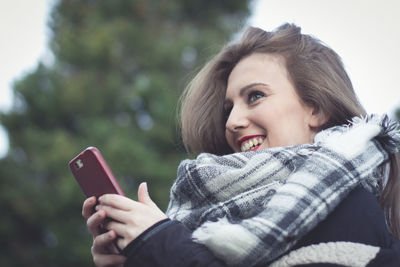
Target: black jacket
x=358 y=219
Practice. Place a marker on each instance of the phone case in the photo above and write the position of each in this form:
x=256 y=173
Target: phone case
x=93 y=174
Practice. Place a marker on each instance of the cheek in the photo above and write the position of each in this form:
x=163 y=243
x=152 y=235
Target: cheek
x=283 y=128
x=290 y=133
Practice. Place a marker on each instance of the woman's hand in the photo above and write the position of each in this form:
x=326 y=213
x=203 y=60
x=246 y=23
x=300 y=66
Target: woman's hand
x=103 y=249
x=129 y=218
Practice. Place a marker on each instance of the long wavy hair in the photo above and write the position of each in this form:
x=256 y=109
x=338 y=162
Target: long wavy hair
x=318 y=76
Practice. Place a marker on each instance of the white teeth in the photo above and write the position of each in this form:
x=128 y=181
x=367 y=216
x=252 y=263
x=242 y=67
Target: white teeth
x=248 y=146
x=251 y=143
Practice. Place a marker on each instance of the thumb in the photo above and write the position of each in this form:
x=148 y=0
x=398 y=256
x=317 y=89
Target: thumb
x=143 y=195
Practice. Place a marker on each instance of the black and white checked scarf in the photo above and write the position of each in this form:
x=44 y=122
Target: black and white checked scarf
x=251 y=207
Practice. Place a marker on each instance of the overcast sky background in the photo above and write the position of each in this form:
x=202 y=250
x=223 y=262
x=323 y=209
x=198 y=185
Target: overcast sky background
x=365 y=33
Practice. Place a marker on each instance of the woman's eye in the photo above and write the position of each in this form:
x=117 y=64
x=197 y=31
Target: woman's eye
x=254 y=96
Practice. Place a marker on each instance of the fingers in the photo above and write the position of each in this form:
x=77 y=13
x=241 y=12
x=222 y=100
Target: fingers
x=122 y=243
x=94 y=222
x=87 y=208
x=102 y=242
x=125 y=234
x=113 y=213
x=108 y=260
x=129 y=218
x=101 y=249
x=124 y=203
x=144 y=197
x=119 y=228
x=117 y=201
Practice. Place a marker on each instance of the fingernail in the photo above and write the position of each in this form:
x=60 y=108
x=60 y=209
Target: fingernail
x=145 y=185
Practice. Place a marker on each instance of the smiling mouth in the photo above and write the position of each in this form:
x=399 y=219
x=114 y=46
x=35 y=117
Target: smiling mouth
x=251 y=143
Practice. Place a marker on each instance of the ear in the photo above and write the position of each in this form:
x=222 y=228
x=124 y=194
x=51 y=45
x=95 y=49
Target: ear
x=317 y=118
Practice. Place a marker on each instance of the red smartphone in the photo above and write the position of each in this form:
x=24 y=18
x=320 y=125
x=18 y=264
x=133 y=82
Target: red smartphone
x=93 y=174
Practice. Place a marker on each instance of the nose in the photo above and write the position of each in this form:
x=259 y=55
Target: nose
x=237 y=120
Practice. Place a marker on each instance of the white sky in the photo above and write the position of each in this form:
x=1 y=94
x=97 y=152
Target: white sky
x=365 y=33
x=23 y=31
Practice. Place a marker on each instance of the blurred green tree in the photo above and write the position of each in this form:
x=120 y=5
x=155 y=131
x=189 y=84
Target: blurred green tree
x=119 y=68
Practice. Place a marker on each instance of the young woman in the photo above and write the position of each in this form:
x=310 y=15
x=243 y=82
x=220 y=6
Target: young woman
x=279 y=176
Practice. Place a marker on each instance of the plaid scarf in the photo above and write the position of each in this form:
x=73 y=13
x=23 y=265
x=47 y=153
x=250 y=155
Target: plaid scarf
x=251 y=207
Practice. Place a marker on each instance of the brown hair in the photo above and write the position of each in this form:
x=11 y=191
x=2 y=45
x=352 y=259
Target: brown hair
x=317 y=74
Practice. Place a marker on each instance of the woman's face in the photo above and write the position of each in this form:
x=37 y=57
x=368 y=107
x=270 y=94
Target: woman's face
x=262 y=107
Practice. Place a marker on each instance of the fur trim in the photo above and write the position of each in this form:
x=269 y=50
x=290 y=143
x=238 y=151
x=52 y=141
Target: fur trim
x=227 y=241
x=342 y=253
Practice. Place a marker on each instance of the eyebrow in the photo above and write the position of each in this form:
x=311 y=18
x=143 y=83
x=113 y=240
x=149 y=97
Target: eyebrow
x=244 y=89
